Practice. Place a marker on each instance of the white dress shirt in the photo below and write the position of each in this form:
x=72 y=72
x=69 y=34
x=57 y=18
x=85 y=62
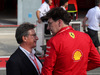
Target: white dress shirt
x=27 y=53
x=93 y=16
x=44 y=8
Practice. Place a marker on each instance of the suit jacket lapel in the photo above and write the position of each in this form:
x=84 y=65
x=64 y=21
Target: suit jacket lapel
x=26 y=61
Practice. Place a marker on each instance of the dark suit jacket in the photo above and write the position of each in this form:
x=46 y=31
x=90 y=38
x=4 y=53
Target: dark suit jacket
x=19 y=64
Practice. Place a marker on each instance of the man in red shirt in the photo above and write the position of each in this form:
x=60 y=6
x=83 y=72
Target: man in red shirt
x=69 y=52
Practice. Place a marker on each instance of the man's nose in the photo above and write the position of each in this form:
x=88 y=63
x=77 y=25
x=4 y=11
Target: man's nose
x=48 y=28
x=37 y=38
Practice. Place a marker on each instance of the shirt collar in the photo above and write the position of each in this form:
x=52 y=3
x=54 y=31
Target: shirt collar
x=97 y=7
x=27 y=52
x=46 y=3
x=63 y=7
x=64 y=29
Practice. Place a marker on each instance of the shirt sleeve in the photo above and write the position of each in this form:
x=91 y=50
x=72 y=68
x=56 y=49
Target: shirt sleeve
x=50 y=59
x=42 y=8
x=87 y=15
x=94 y=58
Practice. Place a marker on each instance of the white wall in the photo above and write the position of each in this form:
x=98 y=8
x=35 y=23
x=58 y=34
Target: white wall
x=27 y=10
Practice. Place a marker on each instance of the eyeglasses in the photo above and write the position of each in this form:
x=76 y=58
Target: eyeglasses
x=34 y=35
x=49 y=23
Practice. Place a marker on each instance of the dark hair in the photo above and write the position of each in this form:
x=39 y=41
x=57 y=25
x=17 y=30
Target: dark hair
x=62 y=2
x=47 y=1
x=97 y=2
x=56 y=14
x=22 y=30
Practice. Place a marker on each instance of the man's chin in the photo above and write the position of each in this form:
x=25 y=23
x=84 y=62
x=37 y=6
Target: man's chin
x=34 y=46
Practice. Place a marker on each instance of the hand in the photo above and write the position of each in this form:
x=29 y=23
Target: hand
x=39 y=21
x=42 y=54
x=98 y=49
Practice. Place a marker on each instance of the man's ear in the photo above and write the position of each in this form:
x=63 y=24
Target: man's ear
x=24 y=38
x=60 y=22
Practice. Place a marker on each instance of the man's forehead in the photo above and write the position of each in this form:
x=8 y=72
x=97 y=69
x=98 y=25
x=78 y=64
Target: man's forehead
x=49 y=20
x=31 y=30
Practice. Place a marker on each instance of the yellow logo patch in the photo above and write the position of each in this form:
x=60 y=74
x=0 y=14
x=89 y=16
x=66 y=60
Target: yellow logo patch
x=77 y=55
x=72 y=35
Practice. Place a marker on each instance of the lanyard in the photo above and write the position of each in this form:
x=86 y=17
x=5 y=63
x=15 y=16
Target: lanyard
x=34 y=60
x=64 y=29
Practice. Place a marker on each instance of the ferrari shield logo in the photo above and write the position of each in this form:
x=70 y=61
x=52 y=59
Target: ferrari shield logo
x=72 y=35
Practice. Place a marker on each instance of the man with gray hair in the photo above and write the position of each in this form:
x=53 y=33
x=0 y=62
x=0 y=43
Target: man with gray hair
x=24 y=60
